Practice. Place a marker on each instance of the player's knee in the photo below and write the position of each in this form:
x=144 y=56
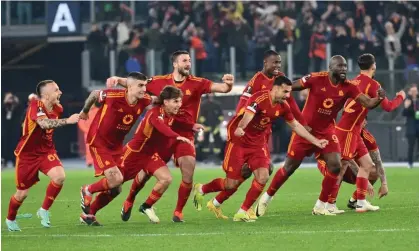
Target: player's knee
x=334 y=166
x=231 y=184
x=262 y=177
x=187 y=162
x=59 y=179
x=21 y=195
x=166 y=181
x=289 y=169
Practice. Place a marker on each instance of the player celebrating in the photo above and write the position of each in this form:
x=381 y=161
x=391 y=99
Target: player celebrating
x=248 y=144
x=193 y=88
x=36 y=151
x=328 y=93
x=349 y=128
x=113 y=121
x=262 y=80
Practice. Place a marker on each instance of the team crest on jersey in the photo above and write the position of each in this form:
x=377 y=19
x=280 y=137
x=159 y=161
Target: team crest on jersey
x=188 y=92
x=170 y=122
x=340 y=93
x=265 y=121
x=253 y=106
x=40 y=112
x=328 y=103
x=263 y=86
x=277 y=113
x=128 y=119
x=161 y=116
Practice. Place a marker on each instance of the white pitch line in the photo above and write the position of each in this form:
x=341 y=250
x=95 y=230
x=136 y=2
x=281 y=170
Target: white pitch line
x=308 y=232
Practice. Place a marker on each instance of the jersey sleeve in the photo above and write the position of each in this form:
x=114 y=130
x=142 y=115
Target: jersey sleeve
x=256 y=102
x=205 y=86
x=295 y=110
x=288 y=115
x=37 y=111
x=158 y=123
x=353 y=91
x=153 y=87
x=390 y=105
x=307 y=81
x=146 y=100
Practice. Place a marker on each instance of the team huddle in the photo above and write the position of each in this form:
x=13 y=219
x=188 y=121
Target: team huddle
x=345 y=151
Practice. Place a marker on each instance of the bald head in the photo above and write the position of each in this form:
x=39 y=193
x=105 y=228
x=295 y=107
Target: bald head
x=338 y=67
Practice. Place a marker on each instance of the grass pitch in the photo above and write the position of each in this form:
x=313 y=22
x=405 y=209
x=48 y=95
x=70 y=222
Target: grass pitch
x=288 y=224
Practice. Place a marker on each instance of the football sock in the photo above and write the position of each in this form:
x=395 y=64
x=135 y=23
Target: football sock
x=53 y=190
x=278 y=180
x=361 y=188
x=153 y=198
x=135 y=189
x=215 y=185
x=329 y=181
x=354 y=196
x=334 y=194
x=13 y=207
x=99 y=186
x=183 y=195
x=252 y=195
x=101 y=200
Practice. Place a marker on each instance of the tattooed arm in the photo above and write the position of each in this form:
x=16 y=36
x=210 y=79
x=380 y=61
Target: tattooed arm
x=353 y=166
x=46 y=123
x=94 y=95
x=376 y=158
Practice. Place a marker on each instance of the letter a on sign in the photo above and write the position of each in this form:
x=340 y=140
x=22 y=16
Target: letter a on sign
x=63 y=18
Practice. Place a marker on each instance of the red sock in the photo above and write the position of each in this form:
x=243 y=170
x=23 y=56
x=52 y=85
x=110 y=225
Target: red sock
x=252 y=195
x=135 y=188
x=334 y=194
x=354 y=195
x=278 y=180
x=100 y=186
x=215 y=185
x=329 y=181
x=183 y=196
x=361 y=188
x=224 y=195
x=13 y=207
x=101 y=200
x=153 y=198
x=52 y=192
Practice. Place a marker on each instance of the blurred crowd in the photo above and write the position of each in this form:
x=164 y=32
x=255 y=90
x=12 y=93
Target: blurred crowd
x=389 y=30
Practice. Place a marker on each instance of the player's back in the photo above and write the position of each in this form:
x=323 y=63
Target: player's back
x=146 y=138
x=325 y=100
x=114 y=119
x=34 y=139
x=354 y=113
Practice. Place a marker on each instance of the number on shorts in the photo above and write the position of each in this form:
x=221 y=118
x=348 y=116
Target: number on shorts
x=335 y=139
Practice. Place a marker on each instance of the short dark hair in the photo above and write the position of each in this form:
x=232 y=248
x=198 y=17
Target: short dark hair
x=365 y=61
x=137 y=75
x=41 y=86
x=282 y=80
x=178 y=53
x=269 y=53
x=169 y=92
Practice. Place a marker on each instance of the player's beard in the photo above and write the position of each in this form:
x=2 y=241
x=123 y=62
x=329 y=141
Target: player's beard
x=183 y=72
x=339 y=78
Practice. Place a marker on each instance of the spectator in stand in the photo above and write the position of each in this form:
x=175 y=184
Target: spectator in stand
x=97 y=43
x=154 y=38
x=262 y=39
x=318 y=47
x=341 y=38
x=392 y=43
x=411 y=112
x=197 y=43
x=10 y=128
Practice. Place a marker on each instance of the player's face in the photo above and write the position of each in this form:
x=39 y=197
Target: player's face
x=273 y=64
x=173 y=105
x=339 y=68
x=138 y=87
x=183 y=64
x=52 y=93
x=282 y=93
x=374 y=68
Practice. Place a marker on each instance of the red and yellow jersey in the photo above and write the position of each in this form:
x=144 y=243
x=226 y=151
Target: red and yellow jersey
x=153 y=134
x=114 y=119
x=34 y=139
x=260 y=104
x=325 y=100
x=192 y=88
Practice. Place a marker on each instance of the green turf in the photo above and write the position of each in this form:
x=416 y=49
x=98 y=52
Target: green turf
x=288 y=224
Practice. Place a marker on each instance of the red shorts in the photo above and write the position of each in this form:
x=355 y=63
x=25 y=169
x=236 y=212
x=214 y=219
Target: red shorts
x=134 y=162
x=27 y=167
x=104 y=159
x=182 y=149
x=236 y=155
x=299 y=148
x=352 y=145
x=348 y=177
x=369 y=140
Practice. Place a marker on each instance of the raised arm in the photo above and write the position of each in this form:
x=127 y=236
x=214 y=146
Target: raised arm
x=390 y=105
x=298 y=85
x=46 y=123
x=93 y=97
x=226 y=86
x=115 y=81
x=368 y=102
x=247 y=117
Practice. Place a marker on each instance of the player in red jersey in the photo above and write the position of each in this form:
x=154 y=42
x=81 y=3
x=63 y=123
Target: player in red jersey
x=247 y=133
x=348 y=131
x=262 y=80
x=193 y=88
x=36 y=151
x=113 y=121
x=327 y=96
